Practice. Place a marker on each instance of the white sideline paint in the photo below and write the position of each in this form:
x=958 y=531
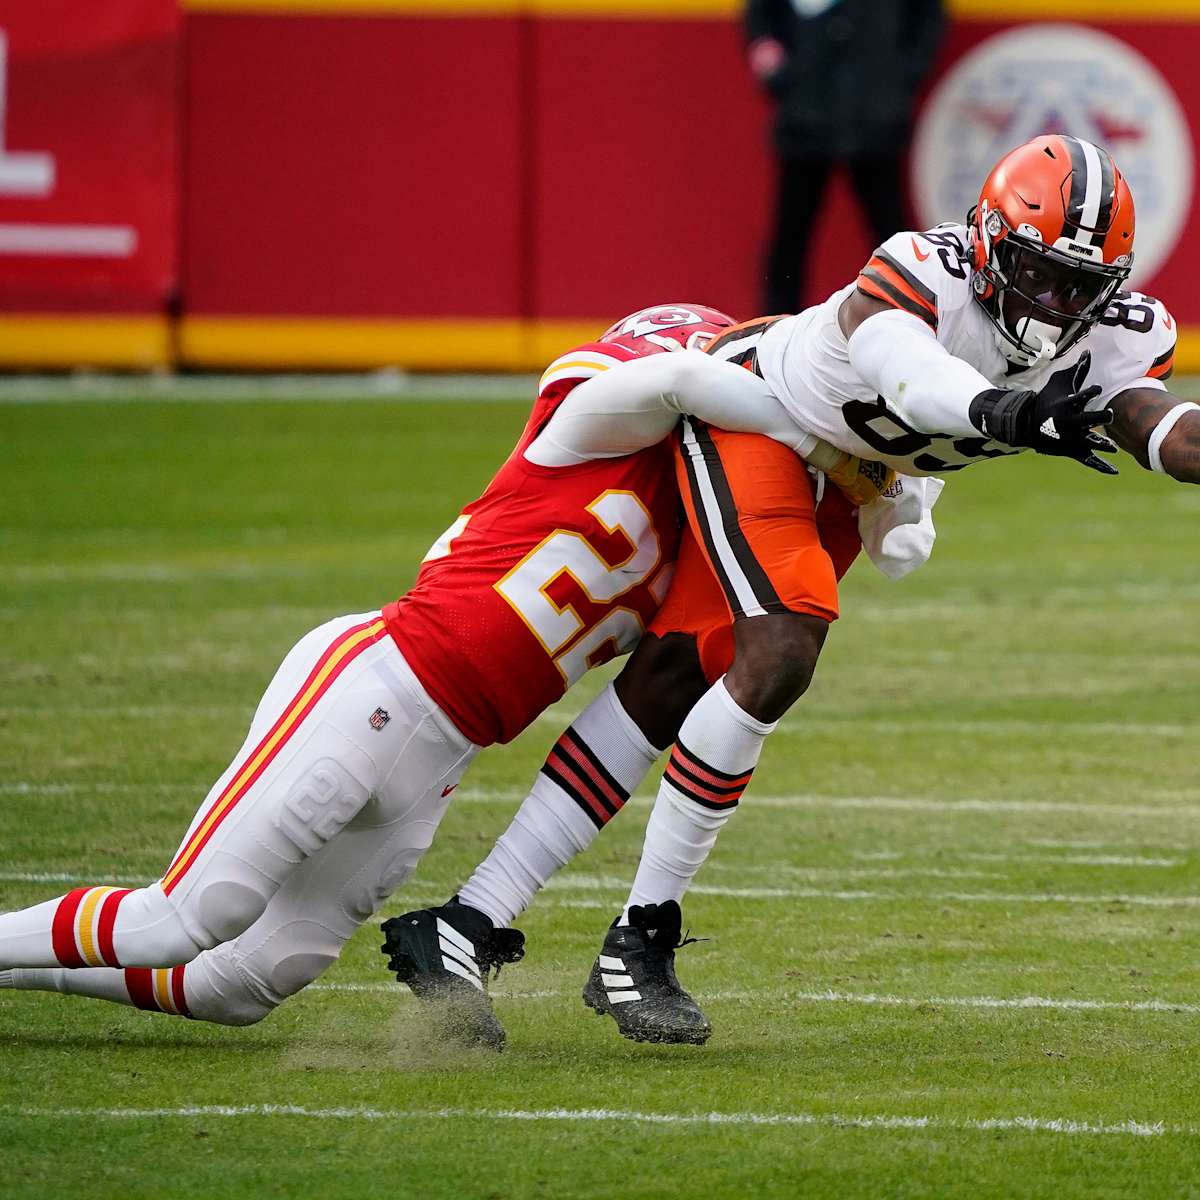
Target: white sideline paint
x=1057 y=1125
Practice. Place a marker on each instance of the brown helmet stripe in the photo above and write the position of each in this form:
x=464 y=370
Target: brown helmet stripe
x=1108 y=192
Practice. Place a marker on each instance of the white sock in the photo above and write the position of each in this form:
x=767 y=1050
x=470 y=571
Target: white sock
x=587 y=778
x=710 y=766
x=104 y=983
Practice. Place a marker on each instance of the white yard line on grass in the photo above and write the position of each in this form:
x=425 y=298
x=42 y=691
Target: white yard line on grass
x=469 y=795
x=1024 y=1124
x=1068 y=1004
x=387 y=385
x=606 y=883
x=59 y=877
x=1050 y=1003
x=901 y=804
x=1080 y=860
x=1069 y=860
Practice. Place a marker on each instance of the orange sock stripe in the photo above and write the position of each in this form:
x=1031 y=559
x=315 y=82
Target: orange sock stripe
x=336 y=658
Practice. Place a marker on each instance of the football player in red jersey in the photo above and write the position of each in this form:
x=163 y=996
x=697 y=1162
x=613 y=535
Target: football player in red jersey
x=370 y=721
x=953 y=345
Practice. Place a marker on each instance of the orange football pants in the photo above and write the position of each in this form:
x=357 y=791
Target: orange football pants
x=757 y=540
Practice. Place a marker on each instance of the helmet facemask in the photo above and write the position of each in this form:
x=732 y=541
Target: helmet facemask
x=1040 y=299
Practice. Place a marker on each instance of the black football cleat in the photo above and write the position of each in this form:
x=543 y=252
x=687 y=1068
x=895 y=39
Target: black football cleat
x=444 y=954
x=633 y=979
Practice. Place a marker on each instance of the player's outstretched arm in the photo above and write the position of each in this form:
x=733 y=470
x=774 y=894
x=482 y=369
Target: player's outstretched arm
x=1161 y=431
x=637 y=404
x=935 y=392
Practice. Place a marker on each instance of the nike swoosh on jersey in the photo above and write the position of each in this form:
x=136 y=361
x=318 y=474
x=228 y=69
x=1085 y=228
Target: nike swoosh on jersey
x=917 y=251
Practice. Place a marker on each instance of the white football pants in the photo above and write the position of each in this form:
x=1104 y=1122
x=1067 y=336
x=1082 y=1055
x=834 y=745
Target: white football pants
x=326 y=809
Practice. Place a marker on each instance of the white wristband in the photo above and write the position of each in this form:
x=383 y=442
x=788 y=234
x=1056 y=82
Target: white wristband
x=1164 y=427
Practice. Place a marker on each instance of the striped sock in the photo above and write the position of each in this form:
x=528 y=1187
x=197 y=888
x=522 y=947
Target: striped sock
x=156 y=990
x=710 y=767
x=586 y=779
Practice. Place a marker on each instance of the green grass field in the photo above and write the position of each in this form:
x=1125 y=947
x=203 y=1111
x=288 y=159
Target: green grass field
x=989 y=795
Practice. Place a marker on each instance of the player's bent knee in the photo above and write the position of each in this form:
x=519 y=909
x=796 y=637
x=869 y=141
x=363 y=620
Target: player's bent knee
x=148 y=931
x=774 y=662
x=240 y=1010
x=226 y=908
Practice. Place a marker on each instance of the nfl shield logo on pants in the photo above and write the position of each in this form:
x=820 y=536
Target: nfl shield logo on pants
x=379 y=718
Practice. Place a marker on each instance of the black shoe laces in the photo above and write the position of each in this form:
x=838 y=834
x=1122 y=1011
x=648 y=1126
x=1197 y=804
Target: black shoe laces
x=502 y=946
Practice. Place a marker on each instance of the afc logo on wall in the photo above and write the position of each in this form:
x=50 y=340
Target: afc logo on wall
x=1057 y=79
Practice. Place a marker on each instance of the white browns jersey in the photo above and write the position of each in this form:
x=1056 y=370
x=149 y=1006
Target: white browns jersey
x=805 y=361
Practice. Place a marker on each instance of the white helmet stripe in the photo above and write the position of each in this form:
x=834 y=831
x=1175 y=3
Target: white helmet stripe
x=1090 y=215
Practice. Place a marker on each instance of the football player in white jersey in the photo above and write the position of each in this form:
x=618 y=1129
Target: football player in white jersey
x=928 y=360
x=954 y=345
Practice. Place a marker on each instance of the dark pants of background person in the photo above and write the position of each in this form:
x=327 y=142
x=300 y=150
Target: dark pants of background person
x=878 y=183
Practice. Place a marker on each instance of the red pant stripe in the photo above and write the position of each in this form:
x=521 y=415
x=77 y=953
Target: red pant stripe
x=62 y=929
x=104 y=930
x=341 y=652
x=177 y=991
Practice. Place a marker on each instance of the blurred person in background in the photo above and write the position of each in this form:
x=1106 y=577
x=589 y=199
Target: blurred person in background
x=842 y=74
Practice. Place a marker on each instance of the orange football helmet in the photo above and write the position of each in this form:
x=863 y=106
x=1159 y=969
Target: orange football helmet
x=1051 y=242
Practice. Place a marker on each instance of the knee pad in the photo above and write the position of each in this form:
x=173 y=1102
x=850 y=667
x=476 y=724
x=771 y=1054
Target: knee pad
x=289 y=959
x=216 y=992
x=370 y=887
x=243 y=1009
x=225 y=908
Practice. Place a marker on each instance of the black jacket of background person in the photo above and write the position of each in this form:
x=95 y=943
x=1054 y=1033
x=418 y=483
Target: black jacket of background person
x=847 y=88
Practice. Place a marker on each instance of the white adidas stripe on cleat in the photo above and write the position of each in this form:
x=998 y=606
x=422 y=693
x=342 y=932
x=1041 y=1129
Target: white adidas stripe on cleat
x=453 y=967
x=616 y=981
x=608 y=963
x=623 y=997
x=447 y=931
x=450 y=951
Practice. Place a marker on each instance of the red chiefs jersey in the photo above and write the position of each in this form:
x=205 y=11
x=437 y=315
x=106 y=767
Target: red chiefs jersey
x=553 y=570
